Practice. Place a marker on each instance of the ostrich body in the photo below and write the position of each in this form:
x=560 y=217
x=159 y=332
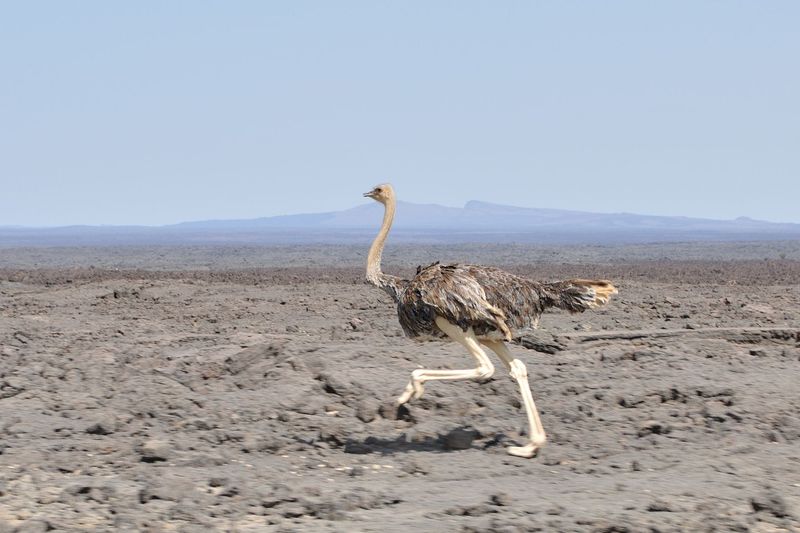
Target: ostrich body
x=473 y=306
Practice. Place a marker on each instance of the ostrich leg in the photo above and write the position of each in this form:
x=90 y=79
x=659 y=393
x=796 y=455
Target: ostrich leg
x=484 y=370
x=518 y=371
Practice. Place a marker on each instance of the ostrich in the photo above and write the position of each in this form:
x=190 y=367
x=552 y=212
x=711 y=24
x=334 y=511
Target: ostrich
x=473 y=306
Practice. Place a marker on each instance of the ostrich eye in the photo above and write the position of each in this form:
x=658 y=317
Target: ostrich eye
x=378 y=190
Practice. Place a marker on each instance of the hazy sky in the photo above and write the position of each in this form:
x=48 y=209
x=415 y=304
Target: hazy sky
x=153 y=112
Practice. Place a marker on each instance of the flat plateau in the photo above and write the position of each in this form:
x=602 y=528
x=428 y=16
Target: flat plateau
x=170 y=390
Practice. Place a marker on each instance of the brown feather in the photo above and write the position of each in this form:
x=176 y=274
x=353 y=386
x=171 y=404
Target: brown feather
x=492 y=302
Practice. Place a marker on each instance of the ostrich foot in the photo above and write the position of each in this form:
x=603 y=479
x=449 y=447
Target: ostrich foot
x=527 y=451
x=413 y=391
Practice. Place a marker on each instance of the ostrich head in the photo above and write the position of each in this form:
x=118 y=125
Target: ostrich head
x=381 y=193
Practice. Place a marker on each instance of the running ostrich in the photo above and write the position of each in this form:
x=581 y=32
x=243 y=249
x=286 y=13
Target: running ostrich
x=473 y=306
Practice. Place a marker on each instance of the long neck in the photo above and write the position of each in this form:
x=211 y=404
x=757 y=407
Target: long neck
x=374 y=274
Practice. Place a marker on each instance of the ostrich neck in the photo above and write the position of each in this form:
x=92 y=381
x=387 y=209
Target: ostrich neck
x=374 y=274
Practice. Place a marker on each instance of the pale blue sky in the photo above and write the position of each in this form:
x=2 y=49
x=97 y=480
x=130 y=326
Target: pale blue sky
x=154 y=112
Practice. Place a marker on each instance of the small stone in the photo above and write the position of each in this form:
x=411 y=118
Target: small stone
x=555 y=510
x=75 y=491
x=8 y=389
x=293 y=510
x=309 y=406
x=541 y=342
x=333 y=433
x=33 y=526
x=367 y=410
x=469 y=510
x=22 y=337
x=409 y=467
x=414 y=467
x=262 y=443
x=659 y=506
x=653 y=427
x=167 y=490
x=501 y=499
x=734 y=416
x=154 y=450
x=630 y=402
x=200 y=423
x=203 y=460
x=229 y=492
x=278 y=494
x=193 y=520
x=106 y=426
x=460 y=439
x=332 y=384
x=391 y=411
x=771 y=503
x=551 y=458
x=357 y=471
x=714 y=412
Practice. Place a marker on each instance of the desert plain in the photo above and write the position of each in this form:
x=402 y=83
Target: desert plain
x=235 y=388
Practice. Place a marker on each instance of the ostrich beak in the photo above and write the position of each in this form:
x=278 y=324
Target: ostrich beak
x=369 y=194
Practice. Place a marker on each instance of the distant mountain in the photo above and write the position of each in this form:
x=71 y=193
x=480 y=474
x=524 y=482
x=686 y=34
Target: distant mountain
x=485 y=216
x=431 y=223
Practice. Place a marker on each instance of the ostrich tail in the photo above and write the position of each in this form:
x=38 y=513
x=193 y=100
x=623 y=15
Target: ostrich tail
x=578 y=295
x=603 y=290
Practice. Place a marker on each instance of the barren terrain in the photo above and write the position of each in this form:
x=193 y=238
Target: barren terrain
x=236 y=390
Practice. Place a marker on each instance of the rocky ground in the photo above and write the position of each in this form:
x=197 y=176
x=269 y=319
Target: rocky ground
x=153 y=399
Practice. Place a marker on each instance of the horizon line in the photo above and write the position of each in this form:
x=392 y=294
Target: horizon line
x=368 y=204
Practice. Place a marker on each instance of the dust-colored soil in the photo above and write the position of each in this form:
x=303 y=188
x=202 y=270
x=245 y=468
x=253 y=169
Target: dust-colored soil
x=260 y=400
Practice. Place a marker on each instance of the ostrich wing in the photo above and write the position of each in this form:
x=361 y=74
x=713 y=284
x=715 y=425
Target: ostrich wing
x=483 y=298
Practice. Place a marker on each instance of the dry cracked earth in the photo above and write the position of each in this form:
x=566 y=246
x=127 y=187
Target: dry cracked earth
x=242 y=399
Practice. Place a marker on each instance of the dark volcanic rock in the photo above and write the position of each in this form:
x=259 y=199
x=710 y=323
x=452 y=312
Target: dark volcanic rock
x=218 y=481
x=770 y=502
x=268 y=442
x=501 y=499
x=253 y=355
x=391 y=411
x=88 y=491
x=653 y=427
x=470 y=510
x=167 y=490
x=332 y=384
x=154 y=450
x=31 y=526
x=659 y=506
x=367 y=409
x=460 y=439
x=104 y=426
x=541 y=342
